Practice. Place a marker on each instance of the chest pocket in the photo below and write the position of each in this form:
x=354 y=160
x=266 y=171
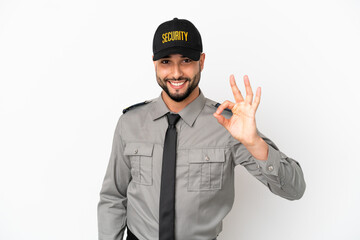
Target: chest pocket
x=206 y=167
x=141 y=160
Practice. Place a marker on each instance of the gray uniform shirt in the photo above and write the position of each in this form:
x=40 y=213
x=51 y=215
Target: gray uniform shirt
x=206 y=157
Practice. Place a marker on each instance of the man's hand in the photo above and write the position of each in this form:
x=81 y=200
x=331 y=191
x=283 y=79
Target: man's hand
x=241 y=125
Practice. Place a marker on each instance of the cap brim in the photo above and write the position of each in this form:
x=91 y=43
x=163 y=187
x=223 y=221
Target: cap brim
x=186 y=52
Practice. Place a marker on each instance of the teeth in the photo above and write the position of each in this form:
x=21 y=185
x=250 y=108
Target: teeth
x=177 y=84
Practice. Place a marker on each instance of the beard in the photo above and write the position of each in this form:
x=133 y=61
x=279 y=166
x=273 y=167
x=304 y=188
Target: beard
x=178 y=97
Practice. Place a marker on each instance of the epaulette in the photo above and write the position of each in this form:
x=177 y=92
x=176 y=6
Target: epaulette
x=226 y=109
x=135 y=105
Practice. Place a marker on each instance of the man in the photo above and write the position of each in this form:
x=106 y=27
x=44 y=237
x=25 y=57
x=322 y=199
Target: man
x=171 y=169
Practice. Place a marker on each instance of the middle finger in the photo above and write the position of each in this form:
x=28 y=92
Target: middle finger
x=249 y=92
x=237 y=94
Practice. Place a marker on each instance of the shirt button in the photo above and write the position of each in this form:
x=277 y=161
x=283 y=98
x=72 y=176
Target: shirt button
x=270 y=168
x=207 y=158
x=136 y=151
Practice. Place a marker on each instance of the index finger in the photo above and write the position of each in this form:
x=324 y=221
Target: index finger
x=237 y=94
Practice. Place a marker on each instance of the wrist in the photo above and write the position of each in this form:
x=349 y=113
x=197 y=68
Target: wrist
x=258 y=149
x=253 y=142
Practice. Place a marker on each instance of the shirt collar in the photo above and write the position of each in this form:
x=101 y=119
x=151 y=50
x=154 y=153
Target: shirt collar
x=188 y=114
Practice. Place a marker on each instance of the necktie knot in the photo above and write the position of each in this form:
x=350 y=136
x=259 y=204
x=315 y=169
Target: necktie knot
x=172 y=119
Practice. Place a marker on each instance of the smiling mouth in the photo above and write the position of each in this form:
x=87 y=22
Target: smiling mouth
x=174 y=83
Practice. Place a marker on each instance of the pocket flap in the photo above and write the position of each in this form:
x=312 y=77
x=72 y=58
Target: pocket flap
x=141 y=149
x=206 y=155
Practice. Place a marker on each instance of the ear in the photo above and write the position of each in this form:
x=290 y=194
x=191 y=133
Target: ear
x=152 y=57
x=202 y=60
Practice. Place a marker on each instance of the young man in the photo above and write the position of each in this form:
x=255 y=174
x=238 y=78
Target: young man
x=171 y=169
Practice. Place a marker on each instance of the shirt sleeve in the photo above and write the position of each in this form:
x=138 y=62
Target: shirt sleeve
x=280 y=173
x=111 y=210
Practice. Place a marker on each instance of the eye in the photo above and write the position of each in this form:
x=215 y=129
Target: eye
x=187 y=60
x=164 y=61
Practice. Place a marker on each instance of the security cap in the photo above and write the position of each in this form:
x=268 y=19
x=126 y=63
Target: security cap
x=177 y=36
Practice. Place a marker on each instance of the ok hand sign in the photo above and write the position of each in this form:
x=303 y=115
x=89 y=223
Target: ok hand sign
x=241 y=125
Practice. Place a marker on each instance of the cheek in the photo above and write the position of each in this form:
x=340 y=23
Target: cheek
x=191 y=70
x=162 y=72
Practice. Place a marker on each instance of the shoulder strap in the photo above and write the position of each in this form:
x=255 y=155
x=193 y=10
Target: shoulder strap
x=135 y=105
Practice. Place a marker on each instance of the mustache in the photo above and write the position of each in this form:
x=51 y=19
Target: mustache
x=177 y=79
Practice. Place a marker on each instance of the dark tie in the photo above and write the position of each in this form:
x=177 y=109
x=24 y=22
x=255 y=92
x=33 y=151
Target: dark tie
x=167 y=190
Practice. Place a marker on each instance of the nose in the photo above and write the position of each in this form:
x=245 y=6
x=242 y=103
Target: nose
x=177 y=72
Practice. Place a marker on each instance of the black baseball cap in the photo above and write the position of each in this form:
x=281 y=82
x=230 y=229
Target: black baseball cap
x=177 y=36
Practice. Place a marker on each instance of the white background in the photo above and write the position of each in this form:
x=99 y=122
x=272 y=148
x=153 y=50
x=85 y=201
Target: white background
x=68 y=68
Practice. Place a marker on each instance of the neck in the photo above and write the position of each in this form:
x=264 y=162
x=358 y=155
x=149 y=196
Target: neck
x=178 y=106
